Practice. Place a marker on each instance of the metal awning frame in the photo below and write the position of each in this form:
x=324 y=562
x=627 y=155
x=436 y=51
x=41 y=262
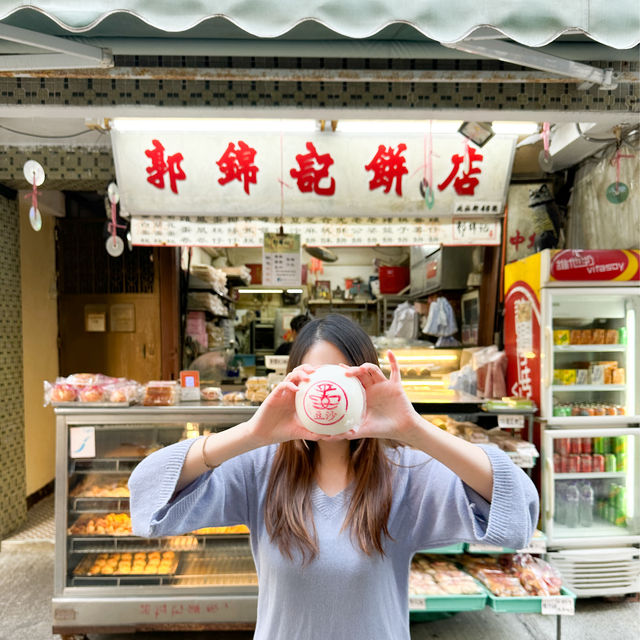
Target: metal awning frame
x=61 y=52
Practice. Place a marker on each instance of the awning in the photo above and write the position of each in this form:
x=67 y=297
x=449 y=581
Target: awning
x=534 y=24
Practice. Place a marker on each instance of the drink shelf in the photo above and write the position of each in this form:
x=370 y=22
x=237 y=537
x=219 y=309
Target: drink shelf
x=588 y=387
x=589 y=348
x=590 y=476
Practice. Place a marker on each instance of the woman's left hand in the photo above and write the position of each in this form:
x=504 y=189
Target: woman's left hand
x=389 y=413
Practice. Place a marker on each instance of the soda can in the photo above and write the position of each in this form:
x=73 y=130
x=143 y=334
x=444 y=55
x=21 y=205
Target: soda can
x=611 y=512
x=586 y=464
x=621 y=464
x=574 y=463
x=622 y=335
x=585 y=445
x=575 y=445
x=564 y=464
x=598 y=445
x=597 y=462
x=608 y=445
x=610 y=462
x=563 y=446
x=557 y=463
x=621 y=499
x=620 y=444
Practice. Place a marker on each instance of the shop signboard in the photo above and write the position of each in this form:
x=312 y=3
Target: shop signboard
x=601 y=264
x=331 y=232
x=281 y=264
x=320 y=174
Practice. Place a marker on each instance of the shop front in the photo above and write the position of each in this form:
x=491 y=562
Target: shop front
x=267 y=169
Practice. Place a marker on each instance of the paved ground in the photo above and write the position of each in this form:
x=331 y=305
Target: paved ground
x=26 y=586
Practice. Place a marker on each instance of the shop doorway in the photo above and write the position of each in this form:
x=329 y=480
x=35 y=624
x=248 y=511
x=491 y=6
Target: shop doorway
x=117 y=316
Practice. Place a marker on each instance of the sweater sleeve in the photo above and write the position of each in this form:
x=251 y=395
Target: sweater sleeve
x=444 y=510
x=216 y=498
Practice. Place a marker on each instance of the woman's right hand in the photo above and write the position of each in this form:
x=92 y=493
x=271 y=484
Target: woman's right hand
x=275 y=420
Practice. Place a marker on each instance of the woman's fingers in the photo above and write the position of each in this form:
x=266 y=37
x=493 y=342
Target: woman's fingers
x=368 y=374
x=395 y=369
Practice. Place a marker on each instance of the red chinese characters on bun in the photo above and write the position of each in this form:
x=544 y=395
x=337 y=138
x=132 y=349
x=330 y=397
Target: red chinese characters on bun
x=63 y=393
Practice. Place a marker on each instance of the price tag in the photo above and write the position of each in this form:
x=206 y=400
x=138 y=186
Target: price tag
x=485 y=548
x=558 y=606
x=537 y=545
x=82 y=442
x=511 y=422
x=417 y=603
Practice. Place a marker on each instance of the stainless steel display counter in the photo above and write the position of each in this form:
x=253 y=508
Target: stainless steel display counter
x=201 y=580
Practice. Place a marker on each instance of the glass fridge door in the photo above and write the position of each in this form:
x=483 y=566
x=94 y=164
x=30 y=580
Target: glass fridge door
x=590 y=489
x=589 y=354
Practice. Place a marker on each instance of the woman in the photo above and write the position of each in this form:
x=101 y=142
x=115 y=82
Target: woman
x=335 y=520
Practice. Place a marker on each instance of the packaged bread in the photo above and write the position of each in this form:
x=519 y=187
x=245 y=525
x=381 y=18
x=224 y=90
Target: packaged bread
x=575 y=336
x=160 y=393
x=598 y=336
x=211 y=393
x=618 y=375
x=611 y=336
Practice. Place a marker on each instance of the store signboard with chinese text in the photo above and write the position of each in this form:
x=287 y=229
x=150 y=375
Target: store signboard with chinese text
x=331 y=232
x=321 y=174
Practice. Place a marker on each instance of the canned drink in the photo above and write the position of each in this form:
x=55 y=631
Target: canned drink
x=586 y=464
x=585 y=445
x=622 y=335
x=611 y=512
x=610 y=462
x=621 y=464
x=575 y=445
x=563 y=446
x=564 y=464
x=608 y=445
x=621 y=499
x=574 y=463
x=598 y=445
x=597 y=462
x=619 y=444
x=557 y=463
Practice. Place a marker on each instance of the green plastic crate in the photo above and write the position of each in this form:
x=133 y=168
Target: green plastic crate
x=452 y=548
x=529 y=604
x=450 y=602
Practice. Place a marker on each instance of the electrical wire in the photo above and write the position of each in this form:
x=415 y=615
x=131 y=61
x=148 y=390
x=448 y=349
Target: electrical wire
x=37 y=135
x=590 y=139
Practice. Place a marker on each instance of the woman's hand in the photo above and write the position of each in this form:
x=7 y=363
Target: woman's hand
x=389 y=413
x=275 y=420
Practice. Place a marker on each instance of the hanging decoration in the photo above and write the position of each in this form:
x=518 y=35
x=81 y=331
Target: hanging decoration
x=617 y=191
x=34 y=174
x=544 y=159
x=114 y=244
x=426 y=184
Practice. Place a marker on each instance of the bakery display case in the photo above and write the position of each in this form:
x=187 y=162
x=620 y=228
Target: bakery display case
x=106 y=579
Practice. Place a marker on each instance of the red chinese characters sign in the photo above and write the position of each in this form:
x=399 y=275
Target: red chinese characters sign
x=320 y=174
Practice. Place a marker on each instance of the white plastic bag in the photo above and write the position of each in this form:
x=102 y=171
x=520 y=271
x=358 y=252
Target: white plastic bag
x=404 y=323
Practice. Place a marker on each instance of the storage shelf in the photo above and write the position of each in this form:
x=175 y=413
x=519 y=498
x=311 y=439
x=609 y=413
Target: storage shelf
x=590 y=421
x=588 y=387
x=589 y=348
x=103 y=465
x=590 y=476
x=86 y=504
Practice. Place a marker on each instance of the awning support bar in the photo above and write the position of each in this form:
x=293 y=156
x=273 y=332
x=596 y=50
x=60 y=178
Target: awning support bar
x=68 y=53
x=527 y=57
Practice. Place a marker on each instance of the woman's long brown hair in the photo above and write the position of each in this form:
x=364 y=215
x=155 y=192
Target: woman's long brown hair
x=288 y=510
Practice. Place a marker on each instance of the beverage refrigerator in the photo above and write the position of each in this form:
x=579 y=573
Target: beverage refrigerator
x=572 y=325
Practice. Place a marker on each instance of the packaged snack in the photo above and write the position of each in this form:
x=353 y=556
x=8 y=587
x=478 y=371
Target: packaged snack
x=561 y=336
x=569 y=376
x=611 y=336
x=160 y=393
x=582 y=376
x=211 y=393
x=618 y=375
x=575 y=336
x=63 y=392
x=596 y=373
x=538 y=577
x=586 y=336
x=127 y=392
x=598 y=336
x=91 y=393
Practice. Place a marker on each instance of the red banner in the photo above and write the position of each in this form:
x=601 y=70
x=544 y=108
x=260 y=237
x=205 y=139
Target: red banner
x=522 y=341
x=583 y=264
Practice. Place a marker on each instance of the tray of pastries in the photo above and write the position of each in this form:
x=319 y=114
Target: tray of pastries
x=111 y=524
x=154 y=563
x=95 y=487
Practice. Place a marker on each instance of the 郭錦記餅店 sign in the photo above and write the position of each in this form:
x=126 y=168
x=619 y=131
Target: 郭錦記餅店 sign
x=255 y=174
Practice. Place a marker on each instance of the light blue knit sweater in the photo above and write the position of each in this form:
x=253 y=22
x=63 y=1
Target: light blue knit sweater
x=343 y=594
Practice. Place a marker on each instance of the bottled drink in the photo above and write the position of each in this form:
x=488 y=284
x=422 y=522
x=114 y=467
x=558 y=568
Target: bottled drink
x=560 y=504
x=586 y=505
x=572 y=514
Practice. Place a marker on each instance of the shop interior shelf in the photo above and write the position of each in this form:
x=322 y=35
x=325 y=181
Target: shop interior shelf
x=585 y=421
x=588 y=387
x=98 y=505
x=590 y=476
x=227 y=544
x=599 y=529
x=117 y=581
x=529 y=604
x=589 y=348
x=103 y=465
